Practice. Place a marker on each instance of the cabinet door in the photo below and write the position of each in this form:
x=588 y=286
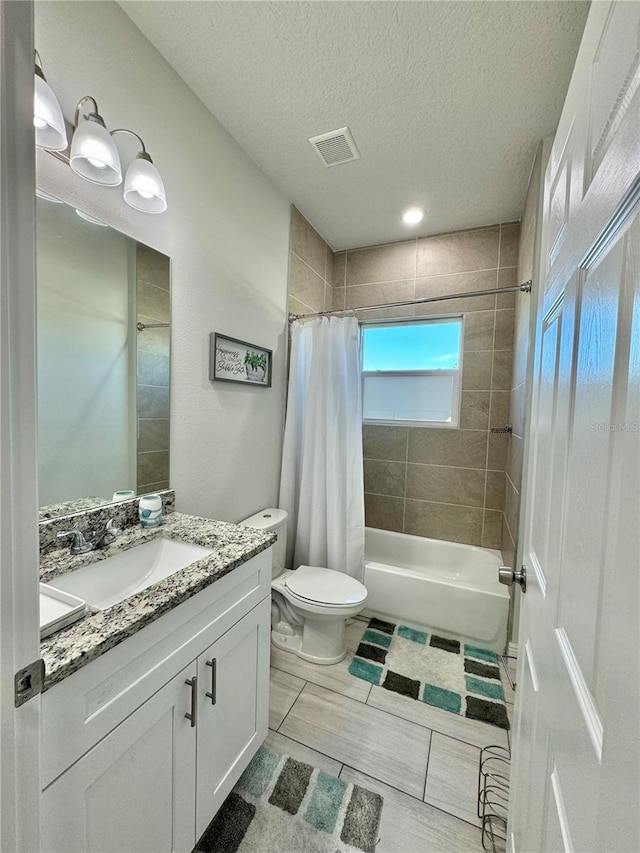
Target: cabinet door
x=233 y=719
x=134 y=791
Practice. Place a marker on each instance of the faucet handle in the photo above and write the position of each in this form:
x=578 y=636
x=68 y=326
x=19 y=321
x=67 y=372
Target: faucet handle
x=79 y=544
x=112 y=529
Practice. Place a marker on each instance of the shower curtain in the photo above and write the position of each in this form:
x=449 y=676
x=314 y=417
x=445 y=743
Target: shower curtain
x=321 y=484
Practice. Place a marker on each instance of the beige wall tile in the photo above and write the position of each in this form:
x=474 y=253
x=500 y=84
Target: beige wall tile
x=146 y=488
x=497 y=452
x=494 y=498
x=328 y=297
x=511 y=507
x=153 y=434
x=507 y=277
x=504 y=329
x=153 y=266
x=338 y=297
x=385 y=442
x=153 y=402
x=297 y=307
x=153 y=302
x=441 y=484
x=476 y=371
x=459 y=252
x=453 y=447
x=478 y=331
x=517 y=408
x=444 y=521
x=381 y=263
x=474 y=410
x=384 y=512
x=515 y=456
x=499 y=414
x=153 y=340
x=384 y=478
x=153 y=369
x=379 y=294
x=338 y=269
x=153 y=466
x=308 y=244
x=492 y=530
x=509 y=244
x=443 y=285
x=507 y=545
x=501 y=375
x=305 y=285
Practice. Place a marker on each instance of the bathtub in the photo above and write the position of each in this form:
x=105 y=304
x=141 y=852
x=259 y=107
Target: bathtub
x=444 y=586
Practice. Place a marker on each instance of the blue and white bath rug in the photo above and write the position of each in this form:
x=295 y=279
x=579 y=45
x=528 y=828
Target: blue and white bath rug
x=441 y=672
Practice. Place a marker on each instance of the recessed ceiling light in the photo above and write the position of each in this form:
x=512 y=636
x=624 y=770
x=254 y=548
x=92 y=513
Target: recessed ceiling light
x=413 y=215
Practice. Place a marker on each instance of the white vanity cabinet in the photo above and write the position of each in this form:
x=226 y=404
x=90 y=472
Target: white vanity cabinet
x=141 y=746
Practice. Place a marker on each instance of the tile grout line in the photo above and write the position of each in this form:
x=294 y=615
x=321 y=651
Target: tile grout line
x=426 y=772
x=292 y=704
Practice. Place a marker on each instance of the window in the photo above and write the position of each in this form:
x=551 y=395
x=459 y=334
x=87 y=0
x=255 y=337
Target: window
x=411 y=372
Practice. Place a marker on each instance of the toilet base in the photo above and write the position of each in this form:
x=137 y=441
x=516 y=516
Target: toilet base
x=323 y=647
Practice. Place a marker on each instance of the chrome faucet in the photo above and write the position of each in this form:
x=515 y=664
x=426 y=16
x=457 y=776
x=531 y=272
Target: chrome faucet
x=101 y=539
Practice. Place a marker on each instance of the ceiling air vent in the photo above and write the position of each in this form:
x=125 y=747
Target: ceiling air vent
x=335 y=147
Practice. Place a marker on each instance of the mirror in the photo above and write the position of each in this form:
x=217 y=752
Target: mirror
x=103 y=362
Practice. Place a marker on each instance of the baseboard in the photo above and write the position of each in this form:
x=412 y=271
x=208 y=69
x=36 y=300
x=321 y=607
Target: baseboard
x=512 y=650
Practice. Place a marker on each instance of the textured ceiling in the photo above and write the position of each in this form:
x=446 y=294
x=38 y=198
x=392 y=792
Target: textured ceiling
x=446 y=100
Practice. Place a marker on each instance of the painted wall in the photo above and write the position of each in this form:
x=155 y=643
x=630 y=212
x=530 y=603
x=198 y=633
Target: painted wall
x=226 y=231
x=443 y=483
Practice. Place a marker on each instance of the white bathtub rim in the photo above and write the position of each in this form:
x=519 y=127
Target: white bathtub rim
x=494 y=588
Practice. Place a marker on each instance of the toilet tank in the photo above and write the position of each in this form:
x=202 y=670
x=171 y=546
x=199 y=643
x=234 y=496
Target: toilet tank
x=273 y=521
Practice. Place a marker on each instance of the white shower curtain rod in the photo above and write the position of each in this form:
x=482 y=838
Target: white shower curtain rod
x=517 y=288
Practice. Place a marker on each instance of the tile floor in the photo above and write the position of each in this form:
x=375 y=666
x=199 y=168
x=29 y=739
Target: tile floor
x=422 y=760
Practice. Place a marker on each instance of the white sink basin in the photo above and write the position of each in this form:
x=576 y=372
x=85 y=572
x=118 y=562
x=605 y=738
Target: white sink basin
x=110 y=581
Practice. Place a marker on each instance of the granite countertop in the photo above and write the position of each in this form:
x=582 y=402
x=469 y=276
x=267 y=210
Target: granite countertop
x=100 y=630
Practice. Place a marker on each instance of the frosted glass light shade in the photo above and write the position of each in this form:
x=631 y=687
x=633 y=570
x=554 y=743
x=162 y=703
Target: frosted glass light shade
x=47 y=117
x=94 y=155
x=143 y=187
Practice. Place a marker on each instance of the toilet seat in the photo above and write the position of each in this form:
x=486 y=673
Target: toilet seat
x=325 y=586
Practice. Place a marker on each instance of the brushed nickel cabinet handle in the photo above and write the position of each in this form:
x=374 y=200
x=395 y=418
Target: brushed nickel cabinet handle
x=212 y=694
x=193 y=684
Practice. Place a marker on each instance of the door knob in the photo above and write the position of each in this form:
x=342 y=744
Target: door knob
x=509 y=576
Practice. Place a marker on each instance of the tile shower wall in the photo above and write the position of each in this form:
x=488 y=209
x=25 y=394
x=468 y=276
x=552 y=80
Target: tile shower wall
x=153 y=282
x=442 y=483
x=310 y=268
x=446 y=484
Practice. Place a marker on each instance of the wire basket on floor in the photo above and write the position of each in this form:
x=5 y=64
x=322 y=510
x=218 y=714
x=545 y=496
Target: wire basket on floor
x=493 y=796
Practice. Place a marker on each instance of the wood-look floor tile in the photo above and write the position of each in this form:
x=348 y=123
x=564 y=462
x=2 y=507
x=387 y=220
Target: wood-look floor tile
x=335 y=677
x=354 y=630
x=284 y=689
x=471 y=731
x=452 y=777
x=300 y=752
x=390 y=749
x=411 y=826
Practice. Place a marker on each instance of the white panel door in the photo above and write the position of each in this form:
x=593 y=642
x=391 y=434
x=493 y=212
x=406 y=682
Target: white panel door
x=575 y=780
x=135 y=790
x=233 y=682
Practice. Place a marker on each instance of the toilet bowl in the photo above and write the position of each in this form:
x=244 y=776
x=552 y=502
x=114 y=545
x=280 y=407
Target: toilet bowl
x=309 y=604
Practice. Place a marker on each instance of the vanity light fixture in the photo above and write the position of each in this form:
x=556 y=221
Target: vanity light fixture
x=413 y=215
x=143 y=186
x=48 y=120
x=94 y=155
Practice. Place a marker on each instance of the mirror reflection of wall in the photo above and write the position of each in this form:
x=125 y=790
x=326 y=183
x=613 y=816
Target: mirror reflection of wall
x=103 y=386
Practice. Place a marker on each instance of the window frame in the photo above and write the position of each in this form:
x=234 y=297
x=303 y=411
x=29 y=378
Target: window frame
x=456 y=373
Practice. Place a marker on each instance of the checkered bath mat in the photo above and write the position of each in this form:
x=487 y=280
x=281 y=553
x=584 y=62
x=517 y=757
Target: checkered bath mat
x=444 y=673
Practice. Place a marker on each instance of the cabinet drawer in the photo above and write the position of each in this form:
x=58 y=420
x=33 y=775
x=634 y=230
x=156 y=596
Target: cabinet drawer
x=81 y=710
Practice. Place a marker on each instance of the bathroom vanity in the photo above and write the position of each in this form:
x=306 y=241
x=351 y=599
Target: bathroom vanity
x=153 y=707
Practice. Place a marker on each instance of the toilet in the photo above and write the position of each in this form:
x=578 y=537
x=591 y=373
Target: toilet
x=309 y=605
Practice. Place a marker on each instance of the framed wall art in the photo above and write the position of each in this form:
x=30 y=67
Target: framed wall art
x=231 y=360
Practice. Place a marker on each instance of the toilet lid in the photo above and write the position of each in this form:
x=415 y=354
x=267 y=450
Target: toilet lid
x=325 y=586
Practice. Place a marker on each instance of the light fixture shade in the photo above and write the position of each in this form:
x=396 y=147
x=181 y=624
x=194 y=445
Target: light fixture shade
x=143 y=187
x=94 y=155
x=47 y=117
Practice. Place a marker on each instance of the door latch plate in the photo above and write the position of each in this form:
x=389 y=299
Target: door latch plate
x=29 y=682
